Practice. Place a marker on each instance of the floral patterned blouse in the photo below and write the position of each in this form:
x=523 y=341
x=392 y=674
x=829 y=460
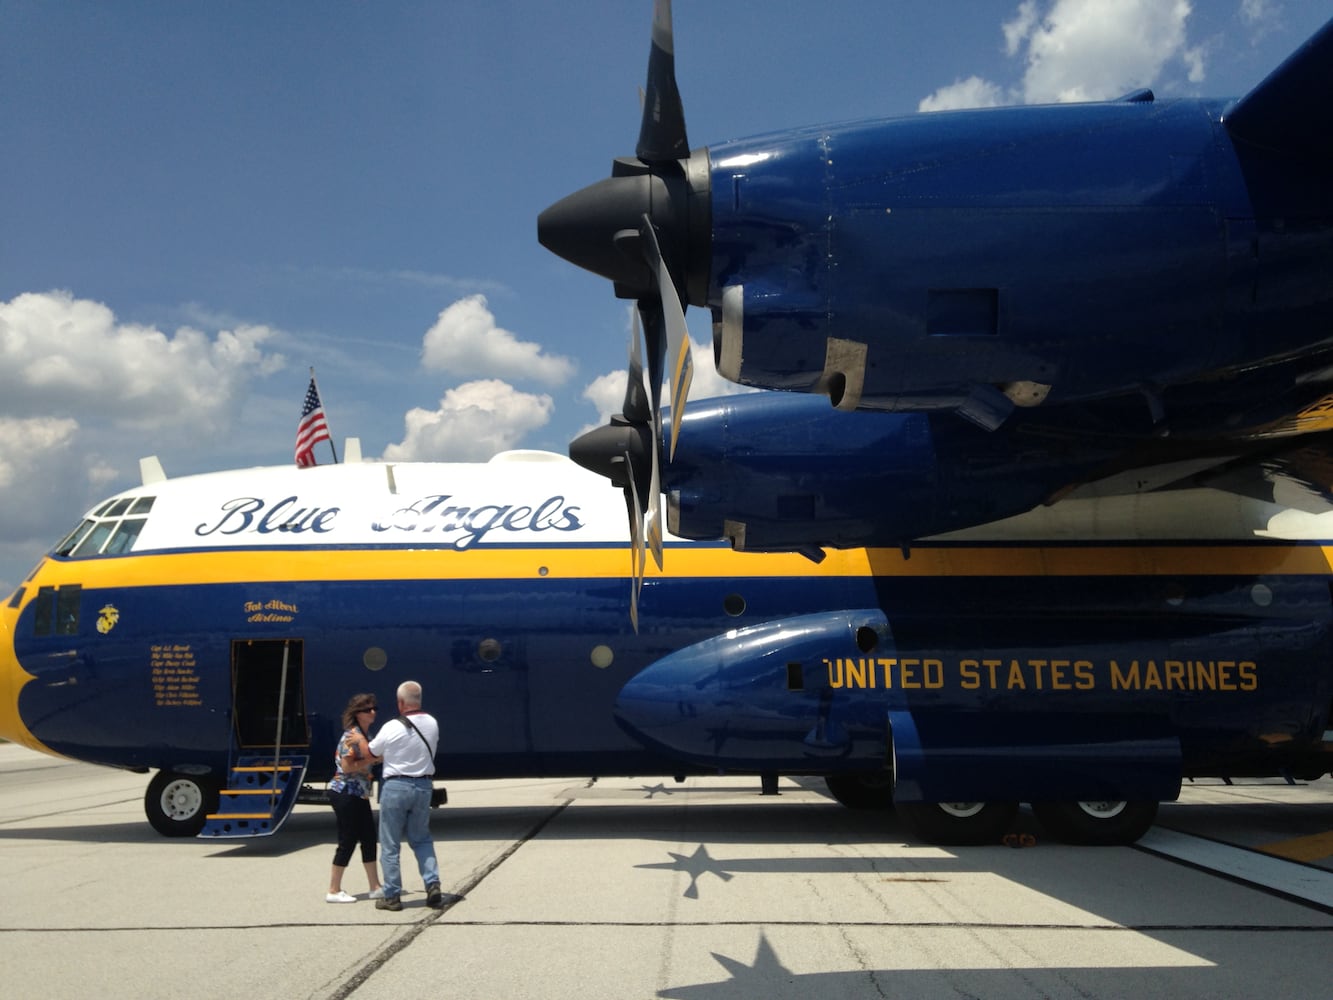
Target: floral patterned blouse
x=357 y=783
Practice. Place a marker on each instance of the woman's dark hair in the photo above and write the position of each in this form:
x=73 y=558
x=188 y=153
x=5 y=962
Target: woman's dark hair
x=359 y=703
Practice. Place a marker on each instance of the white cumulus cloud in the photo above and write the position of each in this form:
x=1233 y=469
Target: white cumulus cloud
x=465 y=340
x=473 y=422
x=974 y=92
x=1088 y=50
x=1091 y=50
x=60 y=354
x=27 y=444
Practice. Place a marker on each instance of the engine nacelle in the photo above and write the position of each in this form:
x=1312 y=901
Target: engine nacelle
x=986 y=260
x=786 y=472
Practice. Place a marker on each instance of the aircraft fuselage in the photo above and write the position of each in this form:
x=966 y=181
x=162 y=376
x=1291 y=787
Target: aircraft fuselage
x=1052 y=670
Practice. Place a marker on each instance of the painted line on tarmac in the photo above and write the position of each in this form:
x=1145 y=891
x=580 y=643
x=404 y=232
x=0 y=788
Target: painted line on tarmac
x=1315 y=847
x=1292 y=880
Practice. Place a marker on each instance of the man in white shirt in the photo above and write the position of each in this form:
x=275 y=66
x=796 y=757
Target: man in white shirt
x=407 y=744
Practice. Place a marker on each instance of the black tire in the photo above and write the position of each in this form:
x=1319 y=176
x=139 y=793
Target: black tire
x=958 y=822
x=177 y=805
x=862 y=791
x=1102 y=823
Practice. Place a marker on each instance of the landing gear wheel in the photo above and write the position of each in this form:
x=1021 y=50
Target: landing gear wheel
x=177 y=805
x=1097 y=823
x=862 y=791
x=958 y=822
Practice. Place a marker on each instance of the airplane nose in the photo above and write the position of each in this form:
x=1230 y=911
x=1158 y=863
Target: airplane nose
x=12 y=679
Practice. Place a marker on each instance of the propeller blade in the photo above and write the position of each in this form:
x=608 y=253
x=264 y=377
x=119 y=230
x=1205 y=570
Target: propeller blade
x=638 y=555
x=653 y=529
x=655 y=340
x=677 y=334
x=662 y=133
x=682 y=376
x=638 y=407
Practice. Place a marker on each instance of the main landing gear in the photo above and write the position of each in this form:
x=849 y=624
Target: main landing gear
x=958 y=823
x=1095 y=823
x=1098 y=823
x=178 y=804
x=1102 y=823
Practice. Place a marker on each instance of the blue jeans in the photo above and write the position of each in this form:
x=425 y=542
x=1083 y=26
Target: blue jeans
x=405 y=812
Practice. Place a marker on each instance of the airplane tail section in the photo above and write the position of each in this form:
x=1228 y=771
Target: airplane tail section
x=1292 y=109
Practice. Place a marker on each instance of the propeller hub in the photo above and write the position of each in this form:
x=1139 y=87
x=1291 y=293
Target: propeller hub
x=605 y=450
x=675 y=195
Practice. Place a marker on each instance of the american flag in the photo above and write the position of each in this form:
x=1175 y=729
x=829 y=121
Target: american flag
x=312 y=429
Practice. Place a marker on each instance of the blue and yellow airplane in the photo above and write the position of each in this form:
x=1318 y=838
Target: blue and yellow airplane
x=1061 y=538
x=1084 y=656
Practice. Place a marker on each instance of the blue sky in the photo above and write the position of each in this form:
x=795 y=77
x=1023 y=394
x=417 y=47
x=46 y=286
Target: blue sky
x=200 y=201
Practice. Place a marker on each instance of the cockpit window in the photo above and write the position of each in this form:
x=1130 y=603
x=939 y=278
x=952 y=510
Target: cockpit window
x=93 y=541
x=111 y=530
x=123 y=538
x=72 y=539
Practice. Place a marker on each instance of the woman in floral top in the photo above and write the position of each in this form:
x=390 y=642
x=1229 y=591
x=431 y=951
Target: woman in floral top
x=349 y=793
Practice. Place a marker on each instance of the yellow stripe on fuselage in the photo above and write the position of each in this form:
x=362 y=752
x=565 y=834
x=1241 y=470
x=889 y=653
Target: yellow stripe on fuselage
x=217 y=566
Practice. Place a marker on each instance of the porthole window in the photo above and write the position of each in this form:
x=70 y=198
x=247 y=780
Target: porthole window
x=489 y=650
x=734 y=605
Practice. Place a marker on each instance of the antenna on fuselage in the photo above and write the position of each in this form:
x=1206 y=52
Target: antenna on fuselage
x=150 y=470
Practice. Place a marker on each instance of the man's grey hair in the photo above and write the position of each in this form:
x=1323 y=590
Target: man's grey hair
x=409 y=693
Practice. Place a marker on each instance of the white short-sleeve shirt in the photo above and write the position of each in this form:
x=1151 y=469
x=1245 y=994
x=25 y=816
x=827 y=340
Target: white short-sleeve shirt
x=404 y=753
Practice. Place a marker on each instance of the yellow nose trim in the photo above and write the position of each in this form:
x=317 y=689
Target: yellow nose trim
x=13 y=677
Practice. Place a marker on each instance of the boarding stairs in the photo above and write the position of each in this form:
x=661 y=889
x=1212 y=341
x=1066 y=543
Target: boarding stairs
x=260 y=794
x=261 y=789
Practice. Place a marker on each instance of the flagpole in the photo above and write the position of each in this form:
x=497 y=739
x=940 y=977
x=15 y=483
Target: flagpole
x=326 y=415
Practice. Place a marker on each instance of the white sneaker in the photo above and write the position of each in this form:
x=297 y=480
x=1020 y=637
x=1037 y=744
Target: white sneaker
x=339 y=897
x=376 y=893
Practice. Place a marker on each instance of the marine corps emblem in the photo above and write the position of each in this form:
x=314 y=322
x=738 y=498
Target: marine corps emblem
x=107 y=618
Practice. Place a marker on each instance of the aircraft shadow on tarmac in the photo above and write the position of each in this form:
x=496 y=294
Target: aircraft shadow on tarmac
x=765 y=975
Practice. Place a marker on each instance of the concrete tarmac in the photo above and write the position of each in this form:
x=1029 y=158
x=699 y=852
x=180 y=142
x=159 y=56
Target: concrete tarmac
x=643 y=888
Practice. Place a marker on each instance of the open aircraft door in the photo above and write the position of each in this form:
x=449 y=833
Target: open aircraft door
x=268 y=694
x=270 y=739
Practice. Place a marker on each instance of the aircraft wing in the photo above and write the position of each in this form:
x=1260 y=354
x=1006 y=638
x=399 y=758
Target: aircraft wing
x=1290 y=110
